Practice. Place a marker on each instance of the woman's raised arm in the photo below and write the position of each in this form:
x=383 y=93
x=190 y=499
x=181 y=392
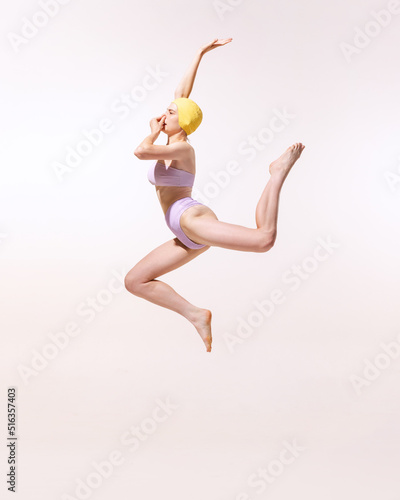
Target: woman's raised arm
x=186 y=84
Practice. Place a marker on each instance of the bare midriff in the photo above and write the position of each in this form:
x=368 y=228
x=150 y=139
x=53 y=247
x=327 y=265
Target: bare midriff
x=169 y=194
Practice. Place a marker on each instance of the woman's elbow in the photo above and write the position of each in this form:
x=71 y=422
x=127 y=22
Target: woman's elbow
x=139 y=152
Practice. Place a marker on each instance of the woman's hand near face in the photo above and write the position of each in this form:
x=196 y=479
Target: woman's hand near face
x=157 y=123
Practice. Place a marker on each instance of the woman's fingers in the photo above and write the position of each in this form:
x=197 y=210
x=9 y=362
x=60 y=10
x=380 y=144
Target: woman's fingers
x=158 y=120
x=216 y=43
x=225 y=40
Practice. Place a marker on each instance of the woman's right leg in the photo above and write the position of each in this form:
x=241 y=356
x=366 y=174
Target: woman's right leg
x=205 y=228
x=141 y=281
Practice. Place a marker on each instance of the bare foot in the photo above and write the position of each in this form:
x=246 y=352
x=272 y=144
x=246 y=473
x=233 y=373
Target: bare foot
x=202 y=323
x=285 y=162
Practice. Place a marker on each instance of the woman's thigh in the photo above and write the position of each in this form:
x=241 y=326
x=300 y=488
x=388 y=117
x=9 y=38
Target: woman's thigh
x=200 y=224
x=163 y=259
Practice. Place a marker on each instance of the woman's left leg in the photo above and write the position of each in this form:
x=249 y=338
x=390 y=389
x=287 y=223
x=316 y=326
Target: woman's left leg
x=202 y=226
x=140 y=281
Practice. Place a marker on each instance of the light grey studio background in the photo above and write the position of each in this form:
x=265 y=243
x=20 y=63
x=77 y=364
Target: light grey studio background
x=299 y=401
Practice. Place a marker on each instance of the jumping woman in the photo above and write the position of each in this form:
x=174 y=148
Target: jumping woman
x=195 y=225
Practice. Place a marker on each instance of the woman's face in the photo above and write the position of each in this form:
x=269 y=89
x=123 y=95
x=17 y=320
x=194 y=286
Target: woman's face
x=171 y=125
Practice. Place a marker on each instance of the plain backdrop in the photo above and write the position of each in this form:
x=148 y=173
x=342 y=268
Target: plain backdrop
x=318 y=369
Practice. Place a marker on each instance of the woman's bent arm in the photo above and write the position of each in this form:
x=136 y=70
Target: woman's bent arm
x=147 y=141
x=147 y=150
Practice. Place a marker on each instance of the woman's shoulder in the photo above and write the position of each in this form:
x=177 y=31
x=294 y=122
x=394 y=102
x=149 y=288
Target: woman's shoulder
x=187 y=163
x=190 y=153
x=190 y=147
x=186 y=149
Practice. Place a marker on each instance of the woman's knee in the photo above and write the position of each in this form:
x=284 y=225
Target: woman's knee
x=133 y=282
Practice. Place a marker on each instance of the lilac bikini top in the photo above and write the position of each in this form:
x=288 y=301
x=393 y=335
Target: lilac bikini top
x=160 y=175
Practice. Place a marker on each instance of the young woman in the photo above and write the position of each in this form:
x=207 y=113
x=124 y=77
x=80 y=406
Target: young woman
x=195 y=225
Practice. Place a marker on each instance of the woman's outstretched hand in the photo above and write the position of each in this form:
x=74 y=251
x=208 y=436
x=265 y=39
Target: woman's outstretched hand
x=157 y=123
x=214 y=44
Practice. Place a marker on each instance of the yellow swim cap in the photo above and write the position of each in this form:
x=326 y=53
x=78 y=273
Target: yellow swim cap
x=189 y=114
